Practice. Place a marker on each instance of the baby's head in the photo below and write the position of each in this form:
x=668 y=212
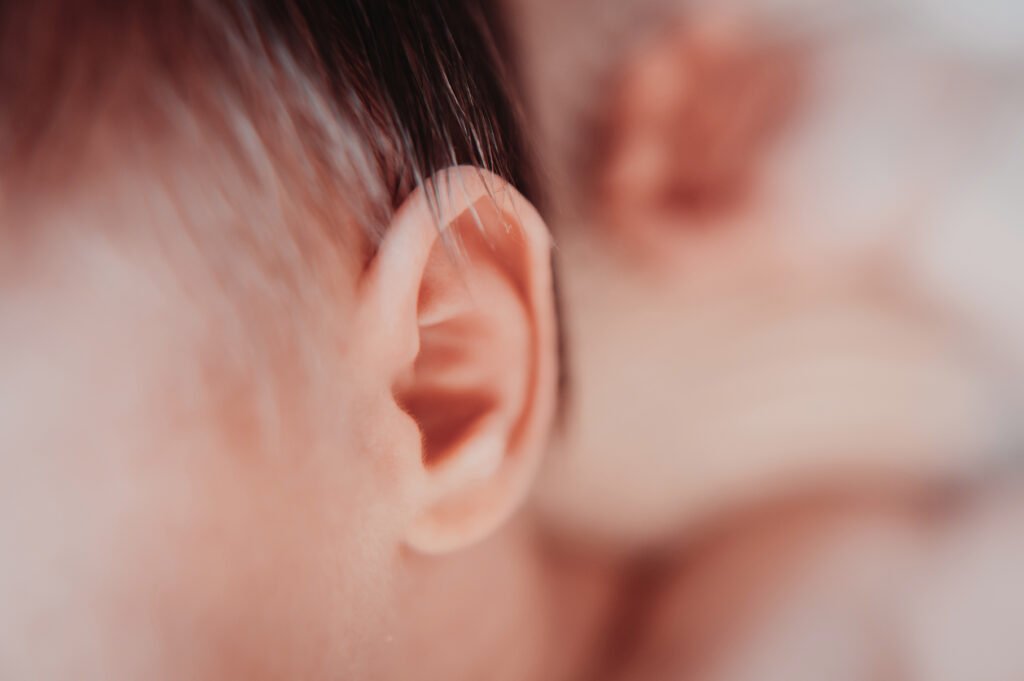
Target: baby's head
x=275 y=331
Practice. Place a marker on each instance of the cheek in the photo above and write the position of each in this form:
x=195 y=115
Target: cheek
x=186 y=561
x=140 y=541
x=255 y=573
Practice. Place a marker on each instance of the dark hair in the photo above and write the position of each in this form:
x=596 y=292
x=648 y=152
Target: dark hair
x=257 y=147
x=414 y=86
x=426 y=78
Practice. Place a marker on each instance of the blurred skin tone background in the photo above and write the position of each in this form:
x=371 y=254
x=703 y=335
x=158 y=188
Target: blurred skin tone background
x=789 y=240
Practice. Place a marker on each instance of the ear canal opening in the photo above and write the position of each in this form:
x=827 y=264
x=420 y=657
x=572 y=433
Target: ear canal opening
x=444 y=418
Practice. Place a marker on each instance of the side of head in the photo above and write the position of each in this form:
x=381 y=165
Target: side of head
x=277 y=334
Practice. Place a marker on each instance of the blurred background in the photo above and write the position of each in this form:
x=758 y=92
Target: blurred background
x=789 y=239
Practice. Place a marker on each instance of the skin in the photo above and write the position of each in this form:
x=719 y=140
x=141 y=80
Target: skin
x=183 y=497
x=771 y=338
x=200 y=483
x=783 y=258
x=854 y=586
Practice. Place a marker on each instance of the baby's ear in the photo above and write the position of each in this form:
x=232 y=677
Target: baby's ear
x=460 y=295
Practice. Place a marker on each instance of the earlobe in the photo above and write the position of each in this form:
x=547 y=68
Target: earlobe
x=462 y=306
